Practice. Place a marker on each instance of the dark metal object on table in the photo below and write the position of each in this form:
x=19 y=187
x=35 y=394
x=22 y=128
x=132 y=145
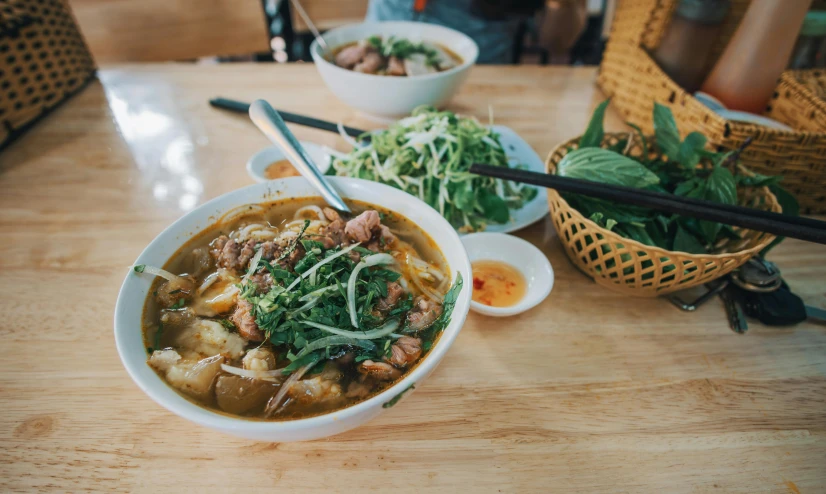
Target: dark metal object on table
x=753 y=219
x=713 y=290
x=311 y=25
x=757 y=275
x=316 y=123
x=270 y=123
x=734 y=312
x=767 y=298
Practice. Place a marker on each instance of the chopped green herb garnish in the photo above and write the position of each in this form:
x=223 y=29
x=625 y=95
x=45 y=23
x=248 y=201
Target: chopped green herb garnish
x=158 y=335
x=398 y=397
x=289 y=250
x=139 y=268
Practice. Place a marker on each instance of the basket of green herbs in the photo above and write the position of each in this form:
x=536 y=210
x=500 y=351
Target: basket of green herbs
x=643 y=252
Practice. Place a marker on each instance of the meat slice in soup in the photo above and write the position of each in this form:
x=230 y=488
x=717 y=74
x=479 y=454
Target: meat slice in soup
x=394 y=56
x=292 y=310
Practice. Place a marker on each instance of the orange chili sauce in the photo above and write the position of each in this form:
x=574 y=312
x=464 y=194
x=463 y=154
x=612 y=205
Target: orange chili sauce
x=497 y=284
x=280 y=169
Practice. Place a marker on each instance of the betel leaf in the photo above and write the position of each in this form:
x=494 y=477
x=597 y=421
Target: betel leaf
x=601 y=165
x=594 y=132
x=686 y=242
x=689 y=154
x=665 y=130
x=494 y=207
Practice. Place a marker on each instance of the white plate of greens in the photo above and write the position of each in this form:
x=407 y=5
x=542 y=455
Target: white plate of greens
x=428 y=155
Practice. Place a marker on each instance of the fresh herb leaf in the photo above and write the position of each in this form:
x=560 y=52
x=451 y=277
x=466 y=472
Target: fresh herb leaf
x=686 y=242
x=289 y=250
x=665 y=130
x=398 y=397
x=719 y=187
x=494 y=207
x=790 y=208
x=158 y=335
x=301 y=362
x=227 y=324
x=594 y=132
x=689 y=153
x=601 y=165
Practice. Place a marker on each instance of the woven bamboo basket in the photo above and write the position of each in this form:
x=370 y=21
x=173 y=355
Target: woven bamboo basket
x=43 y=61
x=634 y=81
x=633 y=268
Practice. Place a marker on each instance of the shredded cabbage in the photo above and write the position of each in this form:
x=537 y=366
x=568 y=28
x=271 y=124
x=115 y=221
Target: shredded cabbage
x=428 y=155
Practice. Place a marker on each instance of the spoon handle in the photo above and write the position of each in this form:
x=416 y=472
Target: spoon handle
x=272 y=125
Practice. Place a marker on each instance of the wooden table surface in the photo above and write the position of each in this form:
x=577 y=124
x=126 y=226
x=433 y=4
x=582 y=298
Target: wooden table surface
x=589 y=392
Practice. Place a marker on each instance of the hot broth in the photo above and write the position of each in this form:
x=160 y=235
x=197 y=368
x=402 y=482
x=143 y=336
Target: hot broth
x=288 y=310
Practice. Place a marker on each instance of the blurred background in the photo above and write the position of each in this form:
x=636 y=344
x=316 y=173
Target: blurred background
x=560 y=32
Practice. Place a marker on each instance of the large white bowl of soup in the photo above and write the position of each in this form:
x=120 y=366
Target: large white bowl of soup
x=389 y=68
x=267 y=315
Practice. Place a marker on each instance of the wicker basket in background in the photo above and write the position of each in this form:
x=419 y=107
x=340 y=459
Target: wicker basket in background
x=43 y=61
x=634 y=81
x=633 y=268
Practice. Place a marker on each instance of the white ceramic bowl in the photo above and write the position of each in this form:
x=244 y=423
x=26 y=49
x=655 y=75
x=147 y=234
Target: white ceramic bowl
x=135 y=289
x=520 y=254
x=258 y=162
x=386 y=96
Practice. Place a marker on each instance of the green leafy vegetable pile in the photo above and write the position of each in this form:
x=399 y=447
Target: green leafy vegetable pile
x=309 y=312
x=686 y=169
x=428 y=155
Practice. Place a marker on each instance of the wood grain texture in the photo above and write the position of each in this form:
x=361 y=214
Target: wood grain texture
x=165 y=30
x=329 y=14
x=590 y=392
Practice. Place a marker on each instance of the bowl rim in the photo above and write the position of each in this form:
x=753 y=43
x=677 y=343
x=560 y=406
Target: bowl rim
x=187 y=409
x=315 y=52
x=550 y=167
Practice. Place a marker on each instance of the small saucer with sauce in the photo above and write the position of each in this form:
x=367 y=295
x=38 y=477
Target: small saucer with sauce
x=271 y=164
x=510 y=275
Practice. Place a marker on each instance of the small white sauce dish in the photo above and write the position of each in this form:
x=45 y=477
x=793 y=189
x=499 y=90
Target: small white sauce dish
x=258 y=162
x=522 y=255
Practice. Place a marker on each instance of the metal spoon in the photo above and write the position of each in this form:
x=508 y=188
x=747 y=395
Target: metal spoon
x=270 y=123
x=311 y=26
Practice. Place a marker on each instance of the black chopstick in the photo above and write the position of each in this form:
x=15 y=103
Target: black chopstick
x=241 y=107
x=753 y=219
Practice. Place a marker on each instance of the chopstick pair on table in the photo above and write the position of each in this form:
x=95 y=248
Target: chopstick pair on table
x=754 y=219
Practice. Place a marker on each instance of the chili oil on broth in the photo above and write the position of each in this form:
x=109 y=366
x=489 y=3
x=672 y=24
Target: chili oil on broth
x=280 y=169
x=277 y=214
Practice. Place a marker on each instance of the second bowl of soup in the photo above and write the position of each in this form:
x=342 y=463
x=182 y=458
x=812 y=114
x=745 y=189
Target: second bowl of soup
x=389 y=68
x=265 y=314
